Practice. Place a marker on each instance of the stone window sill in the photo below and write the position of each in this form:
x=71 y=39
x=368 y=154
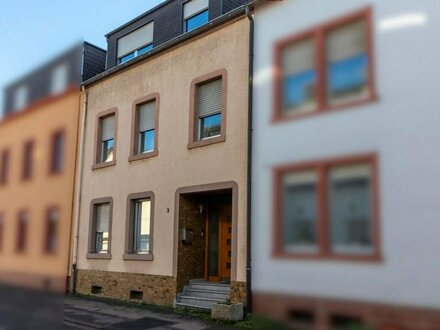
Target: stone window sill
x=147 y=155
x=103 y=165
x=94 y=255
x=138 y=256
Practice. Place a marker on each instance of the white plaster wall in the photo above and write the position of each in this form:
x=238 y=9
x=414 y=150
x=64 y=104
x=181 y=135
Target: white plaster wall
x=402 y=127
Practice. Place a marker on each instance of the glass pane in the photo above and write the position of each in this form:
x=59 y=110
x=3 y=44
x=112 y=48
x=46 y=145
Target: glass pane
x=347 y=64
x=210 y=126
x=126 y=58
x=299 y=212
x=197 y=20
x=107 y=151
x=144 y=50
x=146 y=143
x=142 y=226
x=213 y=252
x=350 y=209
x=299 y=77
x=102 y=227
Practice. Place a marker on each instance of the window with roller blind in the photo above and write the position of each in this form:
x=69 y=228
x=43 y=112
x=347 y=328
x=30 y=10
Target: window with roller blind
x=139 y=236
x=328 y=67
x=144 y=126
x=195 y=14
x=100 y=228
x=135 y=43
x=27 y=170
x=106 y=139
x=328 y=209
x=4 y=166
x=208 y=109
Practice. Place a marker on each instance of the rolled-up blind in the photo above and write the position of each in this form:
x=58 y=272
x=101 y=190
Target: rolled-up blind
x=210 y=98
x=108 y=128
x=146 y=116
x=299 y=57
x=299 y=178
x=194 y=6
x=349 y=172
x=136 y=39
x=102 y=218
x=346 y=41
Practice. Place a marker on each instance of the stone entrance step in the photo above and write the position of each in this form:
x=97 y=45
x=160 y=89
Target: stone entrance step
x=202 y=294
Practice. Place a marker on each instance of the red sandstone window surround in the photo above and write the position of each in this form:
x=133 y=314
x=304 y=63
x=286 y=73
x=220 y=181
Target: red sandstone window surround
x=106 y=139
x=325 y=68
x=208 y=99
x=327 y=209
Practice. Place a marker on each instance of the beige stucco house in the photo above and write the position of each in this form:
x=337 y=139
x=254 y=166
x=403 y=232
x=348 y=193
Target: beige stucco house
x=161 y=208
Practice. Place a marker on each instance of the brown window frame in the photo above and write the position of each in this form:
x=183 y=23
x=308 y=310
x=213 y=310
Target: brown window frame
x=27 y=170
x=47 y=244
x=323 y=222
x=4 y=167
x=97 y=164
x=134 y=143
x=318 y=34
x=22 y=231
x=129 y=223
x=91 y=252
x=53 y=152
x=193 y=138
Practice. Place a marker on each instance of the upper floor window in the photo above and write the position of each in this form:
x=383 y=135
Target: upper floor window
x=135 y=43
x=28 y=161
x=145 y=117
x=4 y=167
x=59 y=79
x=20 y=99
x=328 y=209
x=209 y=109
x=106 y=139
x=327 y=67
x=195 y=14
x=57 y=153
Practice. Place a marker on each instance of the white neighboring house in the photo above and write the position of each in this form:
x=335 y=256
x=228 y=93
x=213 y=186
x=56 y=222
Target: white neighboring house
x=346 y=208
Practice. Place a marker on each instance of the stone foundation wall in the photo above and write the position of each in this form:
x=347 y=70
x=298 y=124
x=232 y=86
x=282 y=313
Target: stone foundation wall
x=156 y=289
x=191 y=257
x=371 y=315
x=238 y=292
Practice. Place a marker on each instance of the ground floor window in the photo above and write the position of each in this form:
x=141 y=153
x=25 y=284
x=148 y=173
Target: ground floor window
x=327 y=208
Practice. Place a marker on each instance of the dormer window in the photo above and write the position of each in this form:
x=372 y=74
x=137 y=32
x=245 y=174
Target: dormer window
x=195 y=14
x=20 y=98
x=135 y=43
x=59 y=79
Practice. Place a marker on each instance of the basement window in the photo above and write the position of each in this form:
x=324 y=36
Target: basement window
x=301 y=319
x=96 y=289
x=342 y=322
x=136 y=295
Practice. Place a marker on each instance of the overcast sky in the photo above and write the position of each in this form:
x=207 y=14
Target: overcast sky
x=34 y=31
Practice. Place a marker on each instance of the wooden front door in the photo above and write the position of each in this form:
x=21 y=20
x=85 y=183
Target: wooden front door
x=219 y=243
